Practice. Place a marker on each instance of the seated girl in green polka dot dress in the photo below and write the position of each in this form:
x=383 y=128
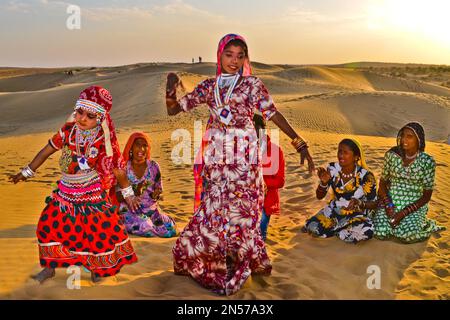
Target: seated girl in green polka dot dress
x=406 y=186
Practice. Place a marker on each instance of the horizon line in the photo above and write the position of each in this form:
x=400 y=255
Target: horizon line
x=209 y=62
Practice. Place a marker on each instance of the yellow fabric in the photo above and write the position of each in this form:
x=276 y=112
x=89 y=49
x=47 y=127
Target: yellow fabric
x=362 y=160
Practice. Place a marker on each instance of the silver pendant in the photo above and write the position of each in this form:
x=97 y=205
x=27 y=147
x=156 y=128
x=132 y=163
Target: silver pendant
x=225 y=114
x=82 y=163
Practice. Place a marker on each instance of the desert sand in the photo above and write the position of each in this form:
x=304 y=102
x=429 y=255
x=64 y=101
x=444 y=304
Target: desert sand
x=324 y=103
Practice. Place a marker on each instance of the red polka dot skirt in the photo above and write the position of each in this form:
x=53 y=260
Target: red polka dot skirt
x=83 y=229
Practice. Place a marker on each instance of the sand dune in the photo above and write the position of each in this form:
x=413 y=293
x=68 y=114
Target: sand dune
x=328 y=105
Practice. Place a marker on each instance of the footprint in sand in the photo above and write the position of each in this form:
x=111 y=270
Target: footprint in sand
x=299 y=185
x=288 y=291
x=442 y=273
x=443 y=245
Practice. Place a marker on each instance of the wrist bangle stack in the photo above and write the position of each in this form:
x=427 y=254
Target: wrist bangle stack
x=299 y=144
x=127 y=192
x=27 y=172
x=410 y=209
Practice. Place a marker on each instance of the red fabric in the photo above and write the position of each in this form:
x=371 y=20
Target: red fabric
x=98 y=95
x=273 y=181
x=63 y=139
x=97 y=240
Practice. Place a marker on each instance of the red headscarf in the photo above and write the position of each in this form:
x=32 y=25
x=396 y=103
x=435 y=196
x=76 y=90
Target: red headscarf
x=134 y=136
x=99 y=101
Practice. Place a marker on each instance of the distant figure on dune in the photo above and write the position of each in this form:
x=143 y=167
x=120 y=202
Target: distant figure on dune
x=406 y=186
x=80 y=226
x=221 y=246
x=145 y=177
x=354 y=196
x=199 y=59
x=273 y=174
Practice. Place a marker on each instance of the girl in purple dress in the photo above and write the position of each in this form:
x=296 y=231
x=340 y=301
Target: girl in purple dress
x=145 y=177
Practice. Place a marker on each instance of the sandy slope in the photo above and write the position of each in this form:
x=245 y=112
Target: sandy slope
x=330 y=104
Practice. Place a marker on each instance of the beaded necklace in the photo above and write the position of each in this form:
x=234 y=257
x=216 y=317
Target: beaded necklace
x=84 y=138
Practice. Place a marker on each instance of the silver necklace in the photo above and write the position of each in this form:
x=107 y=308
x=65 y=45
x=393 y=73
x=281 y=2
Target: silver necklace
x=85 y=138
x=349 y=175
x=411 y=157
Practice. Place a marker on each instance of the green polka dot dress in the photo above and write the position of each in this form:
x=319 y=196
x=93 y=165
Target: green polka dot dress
x=406 y=186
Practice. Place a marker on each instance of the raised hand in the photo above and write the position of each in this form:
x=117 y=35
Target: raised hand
x=173 y=82
x=323 y=175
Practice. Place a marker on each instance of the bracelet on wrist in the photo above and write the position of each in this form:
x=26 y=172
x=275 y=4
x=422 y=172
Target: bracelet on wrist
x=127 y=192
x=27 y=172
x=299 y=144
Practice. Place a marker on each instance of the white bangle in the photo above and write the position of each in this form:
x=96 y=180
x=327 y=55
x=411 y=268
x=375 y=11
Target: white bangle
x=27 y=172
x=323 y=186
x=127 y=192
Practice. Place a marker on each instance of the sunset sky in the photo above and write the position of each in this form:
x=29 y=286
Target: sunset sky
x=34 y=32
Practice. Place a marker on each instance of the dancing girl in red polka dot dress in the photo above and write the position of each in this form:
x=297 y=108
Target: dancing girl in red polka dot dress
x=80 y=226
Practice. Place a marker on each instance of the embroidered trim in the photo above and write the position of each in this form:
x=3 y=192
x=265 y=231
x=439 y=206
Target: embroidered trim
x=90 y=106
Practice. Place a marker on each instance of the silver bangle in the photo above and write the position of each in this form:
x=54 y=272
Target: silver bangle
x=27 y=172
x=127 y=192
x=323 y=186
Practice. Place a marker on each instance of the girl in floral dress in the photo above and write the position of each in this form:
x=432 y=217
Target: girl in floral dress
x=406 y=186
x=221 y=245
x=354 y=195
x=145 y=177
x=80 y=225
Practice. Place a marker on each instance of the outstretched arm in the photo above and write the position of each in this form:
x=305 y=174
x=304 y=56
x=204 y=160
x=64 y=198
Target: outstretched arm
x=38 y=160
x=284 y=126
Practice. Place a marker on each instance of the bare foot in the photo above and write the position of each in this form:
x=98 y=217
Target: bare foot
x=45 y=274
x=94 y=278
